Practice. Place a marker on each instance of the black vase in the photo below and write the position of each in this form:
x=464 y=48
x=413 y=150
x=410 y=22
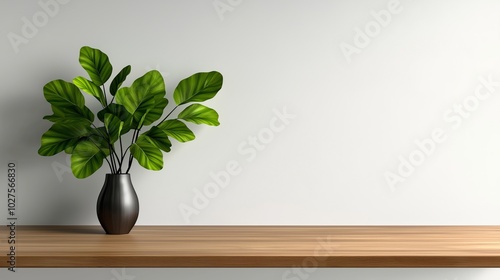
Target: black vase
x=117 y=205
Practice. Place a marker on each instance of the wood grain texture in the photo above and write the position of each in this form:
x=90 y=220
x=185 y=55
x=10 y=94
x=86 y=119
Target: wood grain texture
x=257 y=246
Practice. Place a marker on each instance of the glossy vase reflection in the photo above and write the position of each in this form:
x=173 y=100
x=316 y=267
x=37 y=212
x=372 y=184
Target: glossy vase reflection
x=117 y=205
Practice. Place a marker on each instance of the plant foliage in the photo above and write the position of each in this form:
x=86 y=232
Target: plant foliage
x=137 y=109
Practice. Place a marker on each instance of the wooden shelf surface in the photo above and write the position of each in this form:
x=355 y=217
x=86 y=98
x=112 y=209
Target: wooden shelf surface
x=256 y=246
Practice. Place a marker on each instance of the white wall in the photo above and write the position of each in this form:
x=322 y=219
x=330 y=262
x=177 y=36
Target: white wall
x=358 y=104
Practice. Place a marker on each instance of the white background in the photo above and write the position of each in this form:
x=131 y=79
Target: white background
x=356 y=116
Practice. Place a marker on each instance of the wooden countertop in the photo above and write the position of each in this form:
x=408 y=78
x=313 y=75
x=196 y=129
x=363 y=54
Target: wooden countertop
x=256 y=246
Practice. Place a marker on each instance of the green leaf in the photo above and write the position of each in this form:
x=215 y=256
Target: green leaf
x=67 y=102
x=61 y=136
x=113 y=126
x=69 y=150
x=136 y=105
x=86 y=159
x=198 y=87
x=117 y=110
x=150 y=84
x=96 y=63
x=71 y=114
x=96 y=135
x=99 y=136
x=200 y=114
x=145 y=96
x=62 y=94
x=147 y=154
x=177 y=130
x=119 y=79
x=90 y=88
x=132 y=101
x=157 y=137
x=153 y=114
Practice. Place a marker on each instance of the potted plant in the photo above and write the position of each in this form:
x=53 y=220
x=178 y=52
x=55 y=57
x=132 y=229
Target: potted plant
x=130 y=124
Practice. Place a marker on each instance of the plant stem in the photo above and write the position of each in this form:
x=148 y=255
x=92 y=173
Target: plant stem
x=121 y=155
x=110 y=165
x=130 y=156
x=105 y=98
x=168 y=115
x=112 y=152
x=130 y=161
x=114 y=156
x=112 y=160
x=134 y=139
